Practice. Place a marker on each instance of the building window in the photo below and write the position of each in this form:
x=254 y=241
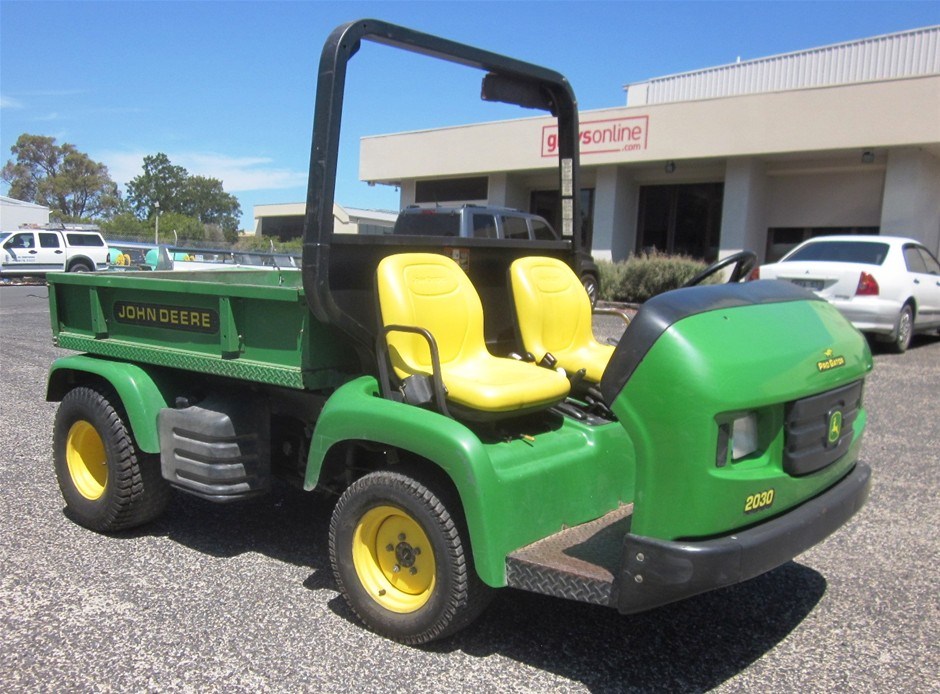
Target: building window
x=682 y=219
x=782 y=240
x=285 y=228
x=451 y=189
x=547 y=203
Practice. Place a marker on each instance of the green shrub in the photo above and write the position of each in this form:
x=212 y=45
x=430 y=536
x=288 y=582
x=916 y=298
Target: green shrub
x=611 y=277
x=249 y=242
x=125 y=226
x=645 y=275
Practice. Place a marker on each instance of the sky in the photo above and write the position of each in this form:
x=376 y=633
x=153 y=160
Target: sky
x=226 y=89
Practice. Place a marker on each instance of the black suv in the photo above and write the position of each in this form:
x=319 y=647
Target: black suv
x=485 y=222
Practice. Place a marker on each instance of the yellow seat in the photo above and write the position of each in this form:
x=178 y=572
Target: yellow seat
x=430 y=291
x=554 y=315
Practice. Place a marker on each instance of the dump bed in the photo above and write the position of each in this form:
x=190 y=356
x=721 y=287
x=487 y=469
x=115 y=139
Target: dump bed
x=252 y=325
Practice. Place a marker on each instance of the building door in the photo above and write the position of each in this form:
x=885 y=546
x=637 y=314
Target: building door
x=683 y=219
x=547 y=204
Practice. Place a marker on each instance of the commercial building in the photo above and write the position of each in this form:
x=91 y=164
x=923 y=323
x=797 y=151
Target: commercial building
x=286 y=220
x=759 y=154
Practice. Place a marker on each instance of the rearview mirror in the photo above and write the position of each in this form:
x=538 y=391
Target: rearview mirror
x=520 y=92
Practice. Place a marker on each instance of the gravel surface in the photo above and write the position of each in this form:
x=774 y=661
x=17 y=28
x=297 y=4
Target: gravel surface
x=240 y=597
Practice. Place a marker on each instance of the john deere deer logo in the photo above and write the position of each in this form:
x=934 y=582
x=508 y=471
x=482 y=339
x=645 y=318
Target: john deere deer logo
x=835 y=426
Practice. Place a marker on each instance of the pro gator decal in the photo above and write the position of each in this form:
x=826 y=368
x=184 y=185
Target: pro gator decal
x=830 y=362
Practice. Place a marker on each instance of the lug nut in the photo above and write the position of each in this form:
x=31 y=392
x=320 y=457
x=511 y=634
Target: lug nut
x=638 y=578
x=413 y=570
x=417 y=550
x=389 y=548
x=401 y=537
x=639 y=556
x=396 y=569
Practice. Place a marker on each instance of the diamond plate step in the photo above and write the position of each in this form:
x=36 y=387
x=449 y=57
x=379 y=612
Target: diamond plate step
x=578 y=563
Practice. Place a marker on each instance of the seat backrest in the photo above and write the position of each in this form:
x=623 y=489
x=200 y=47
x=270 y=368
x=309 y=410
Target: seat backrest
x=429 y=291
x=553 y=310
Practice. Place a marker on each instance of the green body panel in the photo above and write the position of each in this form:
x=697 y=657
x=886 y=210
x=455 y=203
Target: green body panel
x=142 y=396
x=661 y=454
x=250 y=325
x=702 y=371
x=513 y=492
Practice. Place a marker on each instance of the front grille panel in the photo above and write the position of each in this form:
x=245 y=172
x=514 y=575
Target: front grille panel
x=819 y=429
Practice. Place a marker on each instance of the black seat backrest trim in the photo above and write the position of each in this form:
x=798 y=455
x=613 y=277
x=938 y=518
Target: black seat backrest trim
x=661 y=312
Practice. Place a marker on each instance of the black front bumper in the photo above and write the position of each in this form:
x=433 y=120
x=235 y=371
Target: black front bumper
x=656 y=572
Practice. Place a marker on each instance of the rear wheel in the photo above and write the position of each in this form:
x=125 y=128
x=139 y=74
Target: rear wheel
x=107 y=483
x=591 y=287
x=79 y=266
x=903 y=330
x=401 y=560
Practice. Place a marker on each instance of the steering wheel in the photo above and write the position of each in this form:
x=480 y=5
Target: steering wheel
x=743 y=261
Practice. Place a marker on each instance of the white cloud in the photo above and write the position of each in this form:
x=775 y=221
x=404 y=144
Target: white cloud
x=238 y=174
x=10 y=102
x=241 y=173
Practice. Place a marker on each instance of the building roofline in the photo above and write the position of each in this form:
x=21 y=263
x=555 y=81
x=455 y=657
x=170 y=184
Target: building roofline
x=900 y=55
x=790 y=54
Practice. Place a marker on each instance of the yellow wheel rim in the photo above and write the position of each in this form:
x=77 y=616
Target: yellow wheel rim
x=87 y=461
x=394 y=559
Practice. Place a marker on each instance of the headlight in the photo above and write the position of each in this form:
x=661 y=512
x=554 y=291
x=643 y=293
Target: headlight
x=744 y=436
x=739 y=437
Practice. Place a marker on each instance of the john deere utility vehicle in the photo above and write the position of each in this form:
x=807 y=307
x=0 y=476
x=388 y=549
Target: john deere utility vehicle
x=449 y=391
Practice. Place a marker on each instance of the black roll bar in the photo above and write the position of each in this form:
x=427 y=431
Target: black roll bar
x=507 y=80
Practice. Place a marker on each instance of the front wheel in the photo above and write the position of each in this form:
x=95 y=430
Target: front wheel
x=108 y=484
x=401 y=560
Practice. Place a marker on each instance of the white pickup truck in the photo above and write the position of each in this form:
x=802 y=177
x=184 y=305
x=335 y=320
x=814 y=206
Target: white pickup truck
x=38 y=251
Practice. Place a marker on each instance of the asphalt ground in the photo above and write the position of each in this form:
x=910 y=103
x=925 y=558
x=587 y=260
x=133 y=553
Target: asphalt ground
x=215 y=598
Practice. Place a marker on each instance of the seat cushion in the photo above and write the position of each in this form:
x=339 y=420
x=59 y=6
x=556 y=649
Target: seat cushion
x=592 y=356
x=430 y=291
x=494 y=384
x=554 y=315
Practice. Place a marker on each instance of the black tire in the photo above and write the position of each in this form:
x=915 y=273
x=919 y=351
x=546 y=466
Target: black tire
x=903 y=330
x=592 y=287
x=446 y=597
x=79 y=266
x=107 y=483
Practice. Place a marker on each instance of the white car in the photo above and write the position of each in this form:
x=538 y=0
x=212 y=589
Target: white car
x=885 y=285
x=34 y=252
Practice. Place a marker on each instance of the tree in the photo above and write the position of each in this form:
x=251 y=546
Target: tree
x=126 y=225
x=178 y=192
x=68 y=182
x=205 y=199
x=161 y=182
x=186 y=228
